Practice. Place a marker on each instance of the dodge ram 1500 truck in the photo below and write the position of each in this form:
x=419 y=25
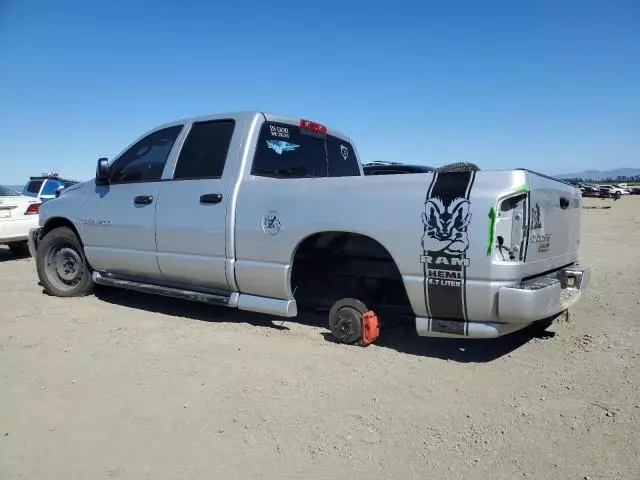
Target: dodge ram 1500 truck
x=272 y=214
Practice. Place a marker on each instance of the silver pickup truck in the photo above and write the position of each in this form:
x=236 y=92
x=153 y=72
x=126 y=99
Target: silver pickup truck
x=275 y=215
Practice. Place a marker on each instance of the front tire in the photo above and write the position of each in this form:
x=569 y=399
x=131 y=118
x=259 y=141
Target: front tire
x=62 y=266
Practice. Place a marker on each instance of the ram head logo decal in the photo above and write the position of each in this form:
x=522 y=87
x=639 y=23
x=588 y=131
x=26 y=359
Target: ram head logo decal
x=446 y=226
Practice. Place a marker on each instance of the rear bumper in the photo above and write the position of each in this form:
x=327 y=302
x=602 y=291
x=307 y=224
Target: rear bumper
x=518 y=306
x=33 y=239
x=17 y=230
x=542 y=297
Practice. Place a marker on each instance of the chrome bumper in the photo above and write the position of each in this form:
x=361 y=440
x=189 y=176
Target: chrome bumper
x=542 y=297
x=33 y=239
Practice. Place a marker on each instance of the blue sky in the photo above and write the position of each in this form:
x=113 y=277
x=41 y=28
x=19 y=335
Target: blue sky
x=549 y=85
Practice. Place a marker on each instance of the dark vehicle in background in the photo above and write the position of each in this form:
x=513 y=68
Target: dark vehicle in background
x=46 y=187
x=590 y=191
x=393 y=168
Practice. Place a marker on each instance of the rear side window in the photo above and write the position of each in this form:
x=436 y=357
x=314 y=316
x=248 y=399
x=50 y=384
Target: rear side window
x=287 y=151
x=204 y=152
x=34 y=186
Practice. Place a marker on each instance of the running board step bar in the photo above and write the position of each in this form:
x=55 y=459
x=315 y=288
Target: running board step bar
x=201 y=297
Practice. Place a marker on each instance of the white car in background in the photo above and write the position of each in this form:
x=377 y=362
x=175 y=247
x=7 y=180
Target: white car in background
x=613 y=190
x=18 y=214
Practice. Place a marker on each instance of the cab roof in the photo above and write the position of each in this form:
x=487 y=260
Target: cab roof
x=249 y=116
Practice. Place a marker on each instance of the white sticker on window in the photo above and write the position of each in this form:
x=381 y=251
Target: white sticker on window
x=344 y=151
x=281 y=132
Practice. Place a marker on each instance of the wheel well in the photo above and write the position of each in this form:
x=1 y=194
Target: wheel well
x=59 y=222
x=329 y=266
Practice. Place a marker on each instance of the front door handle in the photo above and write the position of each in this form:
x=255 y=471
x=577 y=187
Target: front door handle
x=143 y=200
x=210 y=198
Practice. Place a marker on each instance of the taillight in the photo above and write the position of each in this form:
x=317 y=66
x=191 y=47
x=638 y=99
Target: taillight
x=33 y=209
x=509 y=227
x=313 y=126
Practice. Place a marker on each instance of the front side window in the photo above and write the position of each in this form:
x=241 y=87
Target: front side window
x=204 y=152
x=144 y=162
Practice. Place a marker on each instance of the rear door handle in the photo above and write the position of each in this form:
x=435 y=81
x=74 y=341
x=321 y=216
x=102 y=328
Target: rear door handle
x=143 y=200
x=564 y=203
x=210 y=198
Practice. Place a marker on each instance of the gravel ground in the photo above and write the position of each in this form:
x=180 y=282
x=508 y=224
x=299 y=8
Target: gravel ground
x=122 y=385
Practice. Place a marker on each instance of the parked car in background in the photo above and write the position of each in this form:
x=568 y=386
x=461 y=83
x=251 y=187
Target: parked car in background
x=590 y=191
x=18 y=215
x=613 y=191
x=393 y=168
x=46 y=187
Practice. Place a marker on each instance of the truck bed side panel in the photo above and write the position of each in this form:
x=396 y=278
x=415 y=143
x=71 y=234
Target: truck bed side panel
x=395 y=211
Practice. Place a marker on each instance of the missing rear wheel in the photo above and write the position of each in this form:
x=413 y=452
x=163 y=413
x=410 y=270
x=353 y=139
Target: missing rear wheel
x=345 y=320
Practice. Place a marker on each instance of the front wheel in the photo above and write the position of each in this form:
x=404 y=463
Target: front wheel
x=62 y=266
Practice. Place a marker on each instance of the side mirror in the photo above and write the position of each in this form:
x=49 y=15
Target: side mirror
x=102 y=172
x=59 y=190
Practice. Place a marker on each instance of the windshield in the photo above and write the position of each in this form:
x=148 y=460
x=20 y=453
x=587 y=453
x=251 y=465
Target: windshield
x=7 y=192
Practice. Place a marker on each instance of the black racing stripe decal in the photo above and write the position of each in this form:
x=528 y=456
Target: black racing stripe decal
x=464 y=271
x=528 y=227
x=445 y=243
x=424 y=264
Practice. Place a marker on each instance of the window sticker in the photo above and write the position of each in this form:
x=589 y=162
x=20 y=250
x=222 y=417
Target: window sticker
x=282 y=132
x=280 y=146
x=344 y=151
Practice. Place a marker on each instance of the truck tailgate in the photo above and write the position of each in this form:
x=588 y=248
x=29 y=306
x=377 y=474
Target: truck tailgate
x=554 y=223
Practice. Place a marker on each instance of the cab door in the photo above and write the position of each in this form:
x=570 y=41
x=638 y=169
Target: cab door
x=193 y=207
x=118 y=219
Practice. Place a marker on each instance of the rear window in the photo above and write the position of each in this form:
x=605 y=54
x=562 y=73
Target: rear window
x=287 y=151
x=342 y=158
x=7 y=192
x=34 y=186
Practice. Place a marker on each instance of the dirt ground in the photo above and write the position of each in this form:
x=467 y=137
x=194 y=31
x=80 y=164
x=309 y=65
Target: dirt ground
x=124 y=385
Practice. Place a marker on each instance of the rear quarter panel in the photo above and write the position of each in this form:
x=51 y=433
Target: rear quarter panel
x=392 y=210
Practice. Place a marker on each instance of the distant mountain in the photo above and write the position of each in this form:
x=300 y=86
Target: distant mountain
x=603 y=174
